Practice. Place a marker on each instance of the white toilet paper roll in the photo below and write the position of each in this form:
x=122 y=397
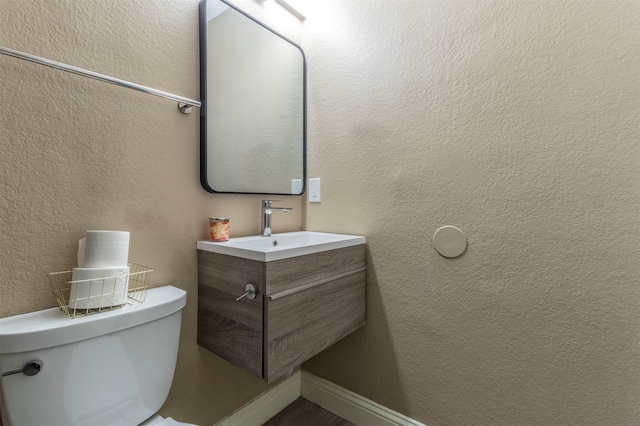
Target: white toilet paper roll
x=81 y=245
x=98 y=287
x=106 y=249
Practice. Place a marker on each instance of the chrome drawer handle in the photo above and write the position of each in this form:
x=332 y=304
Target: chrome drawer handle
x=250 y=292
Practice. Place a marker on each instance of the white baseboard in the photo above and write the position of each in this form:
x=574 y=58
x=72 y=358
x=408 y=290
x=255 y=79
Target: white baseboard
x=350 y=406
x=340 y=401
x=267 y=405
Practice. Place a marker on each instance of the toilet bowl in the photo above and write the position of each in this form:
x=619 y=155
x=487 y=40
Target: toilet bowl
x=111 y=368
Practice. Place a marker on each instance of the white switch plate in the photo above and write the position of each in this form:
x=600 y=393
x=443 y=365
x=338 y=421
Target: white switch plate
x=296 y=186
x=314 y=190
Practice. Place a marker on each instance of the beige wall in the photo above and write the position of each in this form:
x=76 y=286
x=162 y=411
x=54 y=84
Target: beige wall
x=80 y=154
x=517 y=121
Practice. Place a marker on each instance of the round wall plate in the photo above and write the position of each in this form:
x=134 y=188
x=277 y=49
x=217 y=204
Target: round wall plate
x=450 y=241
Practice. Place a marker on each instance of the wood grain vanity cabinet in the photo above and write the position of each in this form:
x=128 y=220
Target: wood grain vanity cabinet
x=303 y=304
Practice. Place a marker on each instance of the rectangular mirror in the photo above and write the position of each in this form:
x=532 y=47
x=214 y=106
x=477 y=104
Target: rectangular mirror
x=253 y=115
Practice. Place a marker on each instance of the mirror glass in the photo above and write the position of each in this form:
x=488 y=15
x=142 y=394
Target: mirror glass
x=253 y=92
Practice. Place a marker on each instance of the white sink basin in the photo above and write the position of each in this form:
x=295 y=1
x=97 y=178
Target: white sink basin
x=281 y=246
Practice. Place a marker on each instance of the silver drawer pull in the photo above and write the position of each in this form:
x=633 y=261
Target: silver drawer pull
x=311 y=284
x=30 y=369
x=250 y=292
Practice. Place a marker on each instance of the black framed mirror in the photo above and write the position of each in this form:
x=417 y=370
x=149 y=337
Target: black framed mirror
x=253 y=115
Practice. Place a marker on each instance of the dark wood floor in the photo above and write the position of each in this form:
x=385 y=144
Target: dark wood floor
x=304 y=413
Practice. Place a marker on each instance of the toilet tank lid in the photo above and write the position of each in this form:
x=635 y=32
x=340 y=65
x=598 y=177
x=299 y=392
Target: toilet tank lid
x=52 y=327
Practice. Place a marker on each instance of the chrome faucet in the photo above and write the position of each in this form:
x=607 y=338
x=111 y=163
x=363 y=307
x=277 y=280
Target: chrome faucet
x=267 y=211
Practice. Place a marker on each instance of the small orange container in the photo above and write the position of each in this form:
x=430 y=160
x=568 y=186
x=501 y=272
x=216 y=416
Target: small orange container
x=219 y=227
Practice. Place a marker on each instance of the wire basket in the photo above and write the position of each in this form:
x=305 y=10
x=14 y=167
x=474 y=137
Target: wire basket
x=85 y=297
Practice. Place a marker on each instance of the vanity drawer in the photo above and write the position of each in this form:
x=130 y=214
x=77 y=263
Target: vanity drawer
x=289 y=273
x=301 y=323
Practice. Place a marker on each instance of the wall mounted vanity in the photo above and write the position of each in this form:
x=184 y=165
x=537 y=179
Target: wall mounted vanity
x=309 y=293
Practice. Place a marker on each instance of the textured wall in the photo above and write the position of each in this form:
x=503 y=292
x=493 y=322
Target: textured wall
x=517 y=121
x=80 y=154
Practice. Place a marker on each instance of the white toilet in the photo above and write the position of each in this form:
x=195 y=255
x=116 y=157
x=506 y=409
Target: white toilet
x=111 y=368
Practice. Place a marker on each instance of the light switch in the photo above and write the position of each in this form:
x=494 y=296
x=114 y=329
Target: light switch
x=314 y=190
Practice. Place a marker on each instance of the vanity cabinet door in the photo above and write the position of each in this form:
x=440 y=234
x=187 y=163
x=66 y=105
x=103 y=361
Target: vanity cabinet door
x=229 y=328
x=303 y=321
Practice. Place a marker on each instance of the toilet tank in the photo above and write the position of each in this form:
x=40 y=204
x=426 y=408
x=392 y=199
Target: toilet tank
x=111 y=368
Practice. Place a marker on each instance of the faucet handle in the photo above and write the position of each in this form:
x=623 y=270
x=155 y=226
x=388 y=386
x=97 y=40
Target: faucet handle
x=267 y=203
